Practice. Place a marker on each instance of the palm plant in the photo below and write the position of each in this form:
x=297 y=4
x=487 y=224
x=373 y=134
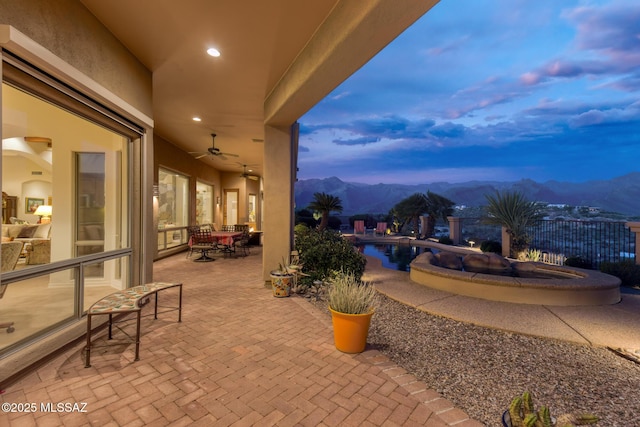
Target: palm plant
x=411 y=208
x=438 y=207
x=515 y=213
x=325 y=203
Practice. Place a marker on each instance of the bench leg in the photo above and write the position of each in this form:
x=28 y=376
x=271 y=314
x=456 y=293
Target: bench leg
x=155 y=309
x=138 y=336
x=110 y=323
x=87 y=349
x=180 y=305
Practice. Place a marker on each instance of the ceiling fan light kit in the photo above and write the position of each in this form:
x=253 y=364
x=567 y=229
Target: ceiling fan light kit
x=213 y=151
x=245 y=174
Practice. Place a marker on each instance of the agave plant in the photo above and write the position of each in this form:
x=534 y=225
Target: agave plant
x=515 y=213
x=522 y=413
x=530 y=255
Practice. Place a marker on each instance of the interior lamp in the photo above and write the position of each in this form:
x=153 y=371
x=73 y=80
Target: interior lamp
x=44 y=212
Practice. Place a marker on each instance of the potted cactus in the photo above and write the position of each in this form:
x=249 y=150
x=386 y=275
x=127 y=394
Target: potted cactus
x=522 y=413
x=286 y=276
x=282 y=279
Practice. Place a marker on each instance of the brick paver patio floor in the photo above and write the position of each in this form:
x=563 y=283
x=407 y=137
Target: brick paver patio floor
x=240 y=357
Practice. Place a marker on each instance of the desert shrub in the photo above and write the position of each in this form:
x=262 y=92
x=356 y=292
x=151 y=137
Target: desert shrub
x=578 y=262
x=491 y=246
x=445 y=240
x=348 y=295
x=326 y=251
x=627 y=271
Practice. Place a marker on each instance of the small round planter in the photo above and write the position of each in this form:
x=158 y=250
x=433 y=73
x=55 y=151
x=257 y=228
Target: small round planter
x=281 y=284
x=350 y=331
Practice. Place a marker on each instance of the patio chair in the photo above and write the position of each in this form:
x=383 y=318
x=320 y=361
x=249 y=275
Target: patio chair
x=381 y=229
x=242 y=243
x=358 y=227
x=201 y=240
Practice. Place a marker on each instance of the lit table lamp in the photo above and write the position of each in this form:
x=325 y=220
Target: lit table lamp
x=44 y=212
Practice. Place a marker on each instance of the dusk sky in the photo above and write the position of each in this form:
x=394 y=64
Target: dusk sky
x=488 y=90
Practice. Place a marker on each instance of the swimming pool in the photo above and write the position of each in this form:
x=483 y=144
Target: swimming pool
x=393 y=256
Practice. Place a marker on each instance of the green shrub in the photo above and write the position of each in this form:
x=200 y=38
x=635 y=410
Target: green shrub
x=445 y=240
x=491 y=246
x=627 y=271
x=326 y=251
x=578 y=262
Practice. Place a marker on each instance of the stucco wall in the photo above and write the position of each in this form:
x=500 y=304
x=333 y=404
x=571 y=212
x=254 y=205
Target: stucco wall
x=70 y=31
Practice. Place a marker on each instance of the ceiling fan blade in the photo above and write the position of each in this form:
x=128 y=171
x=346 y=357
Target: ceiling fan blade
x=221 y=155
x=253 y=177
x=230 y=154
x=201 y=156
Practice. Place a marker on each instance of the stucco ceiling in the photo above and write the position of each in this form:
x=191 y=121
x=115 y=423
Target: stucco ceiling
x=258 y=40
x=270 y=50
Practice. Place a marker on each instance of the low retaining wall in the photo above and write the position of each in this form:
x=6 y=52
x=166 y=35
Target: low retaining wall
x=583 y=288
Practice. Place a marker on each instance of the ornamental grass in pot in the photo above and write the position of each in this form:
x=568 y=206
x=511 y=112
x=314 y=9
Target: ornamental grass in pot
x=352 y=304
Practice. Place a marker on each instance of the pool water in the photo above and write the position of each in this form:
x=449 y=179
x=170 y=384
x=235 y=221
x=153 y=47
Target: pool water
x=395 y=257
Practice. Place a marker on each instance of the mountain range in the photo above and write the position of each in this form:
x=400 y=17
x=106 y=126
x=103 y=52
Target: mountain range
x=621 y=194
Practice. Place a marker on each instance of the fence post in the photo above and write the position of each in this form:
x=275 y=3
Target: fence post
x=455 y=229
x=635 y=228
x=506 y=242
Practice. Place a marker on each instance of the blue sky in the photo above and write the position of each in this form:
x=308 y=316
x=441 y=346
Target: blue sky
x=488 y=90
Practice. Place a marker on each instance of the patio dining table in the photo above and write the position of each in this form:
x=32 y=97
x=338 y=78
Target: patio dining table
x=217 y=240
x=226 y=238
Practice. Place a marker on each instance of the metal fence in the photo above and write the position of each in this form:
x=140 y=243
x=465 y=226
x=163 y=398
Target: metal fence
x=595 y=241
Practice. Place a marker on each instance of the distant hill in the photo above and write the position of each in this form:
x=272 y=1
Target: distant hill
x=621 y=194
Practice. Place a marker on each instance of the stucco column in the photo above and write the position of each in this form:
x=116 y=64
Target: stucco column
x=455 y=229
x=506 y=243
x=423 y=227
x=279 y=177
x=635 y=228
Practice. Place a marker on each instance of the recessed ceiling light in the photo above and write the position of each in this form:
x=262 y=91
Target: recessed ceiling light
x=213 y=52
x=197 y=119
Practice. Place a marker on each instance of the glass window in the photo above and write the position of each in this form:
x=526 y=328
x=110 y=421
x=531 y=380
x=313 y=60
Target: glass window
x=252 y=210
x=204 y=203
x=37 y=304
x=90 y=198
x=173 y=199
x=65 y=190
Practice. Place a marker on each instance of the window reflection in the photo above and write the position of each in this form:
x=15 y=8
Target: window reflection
x=53 y=158
x=173 y=199
x=204 y=203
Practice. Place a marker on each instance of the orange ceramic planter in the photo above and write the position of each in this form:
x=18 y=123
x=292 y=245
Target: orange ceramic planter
x=350 y=331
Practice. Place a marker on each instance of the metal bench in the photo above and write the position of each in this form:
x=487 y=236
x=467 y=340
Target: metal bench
x=128 y=301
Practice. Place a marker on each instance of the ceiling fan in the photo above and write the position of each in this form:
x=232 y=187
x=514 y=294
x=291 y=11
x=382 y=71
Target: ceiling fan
x=246 y=174
x=212 y=151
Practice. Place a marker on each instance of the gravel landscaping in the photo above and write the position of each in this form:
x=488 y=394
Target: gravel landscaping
x=480 y=370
